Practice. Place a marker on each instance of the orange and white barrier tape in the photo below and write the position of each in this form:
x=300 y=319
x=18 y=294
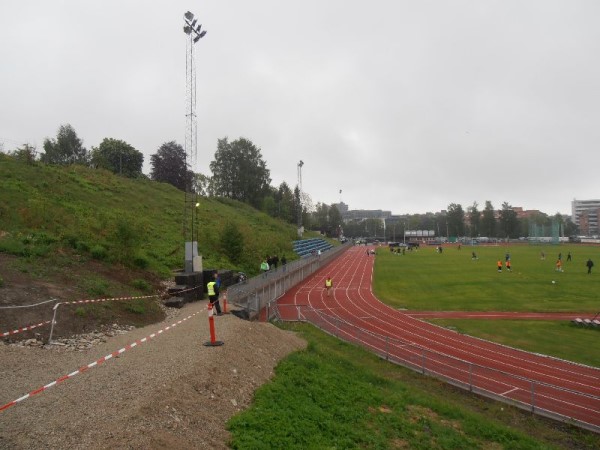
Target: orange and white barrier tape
x=29 y=327
x=76 y=302
x=94 y=364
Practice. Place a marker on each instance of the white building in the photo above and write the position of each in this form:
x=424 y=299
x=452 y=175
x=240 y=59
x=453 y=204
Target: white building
x=585 y=215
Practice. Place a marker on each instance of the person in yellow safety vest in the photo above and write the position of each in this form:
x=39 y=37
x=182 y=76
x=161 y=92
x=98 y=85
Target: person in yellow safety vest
x=328 y=285
x=213 y=295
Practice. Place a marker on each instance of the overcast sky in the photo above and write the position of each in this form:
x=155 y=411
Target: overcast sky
x=403 y=105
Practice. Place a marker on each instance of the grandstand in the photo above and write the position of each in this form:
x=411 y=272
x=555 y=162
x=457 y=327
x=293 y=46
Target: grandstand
x=305 y=247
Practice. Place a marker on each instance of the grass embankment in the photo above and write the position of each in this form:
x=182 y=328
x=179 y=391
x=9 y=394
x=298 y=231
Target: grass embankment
x=335 y=395
x=452 y=281
x=96 y=214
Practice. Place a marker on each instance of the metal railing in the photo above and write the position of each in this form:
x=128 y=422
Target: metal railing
x=537 y=397
x=258 y=292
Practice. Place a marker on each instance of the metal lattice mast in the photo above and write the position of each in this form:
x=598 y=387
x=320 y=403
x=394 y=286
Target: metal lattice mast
x=191 y=131
x=193 y=33
x=300 y=164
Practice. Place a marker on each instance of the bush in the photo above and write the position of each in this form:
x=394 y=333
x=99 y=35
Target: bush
x=1 y=282
x=126 y=238
x=82 y=246
x=97 y=288
x=80 y=311
x=98 y=252
x=13 y=247
x=136 y=307
x=141 y=262
x=142 y=285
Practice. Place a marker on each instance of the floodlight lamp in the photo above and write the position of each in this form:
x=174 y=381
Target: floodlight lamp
x=198 y=28
x=194 y=22
x=187 y=30
x=188 y=15
x=196 y=39
x=202 y=34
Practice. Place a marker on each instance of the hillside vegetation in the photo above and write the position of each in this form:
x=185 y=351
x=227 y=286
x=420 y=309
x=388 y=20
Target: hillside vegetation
x=45 y=209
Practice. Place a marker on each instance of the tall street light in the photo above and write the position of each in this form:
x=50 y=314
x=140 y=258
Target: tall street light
x=300 y=231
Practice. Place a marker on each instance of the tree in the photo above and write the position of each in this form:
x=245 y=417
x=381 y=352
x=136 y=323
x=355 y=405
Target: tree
x=297 y=204
x=118 y=157
x=508 y=222
x=335 y=221
x=321 y=217
x=27 y=154
x=239 y=171
x=269 y=204
x=232 y=241
x=455 y=220
x=169 y=165
x=202 y=185
x=66 y=149
x=488 y=221
x=285 y=200
x=474 y=219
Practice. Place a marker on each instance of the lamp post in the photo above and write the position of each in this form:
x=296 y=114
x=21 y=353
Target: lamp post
x=300 y=230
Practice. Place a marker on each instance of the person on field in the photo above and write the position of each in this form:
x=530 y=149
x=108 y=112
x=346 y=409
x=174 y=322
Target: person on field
x=589 y=265
x=213 y=295
x=542 y=256
x=328 y=285
x=559 y=265
x=499 y=264
x=569 y=256
x=508 y=265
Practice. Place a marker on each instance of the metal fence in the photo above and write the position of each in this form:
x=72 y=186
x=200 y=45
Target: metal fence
x=540 y=398
x=259 y=292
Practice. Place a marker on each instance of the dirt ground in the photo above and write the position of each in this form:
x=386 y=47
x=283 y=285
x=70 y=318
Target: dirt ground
x=168 y=391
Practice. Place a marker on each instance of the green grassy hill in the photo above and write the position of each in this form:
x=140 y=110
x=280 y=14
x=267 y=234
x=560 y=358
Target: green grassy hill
x=93 y=213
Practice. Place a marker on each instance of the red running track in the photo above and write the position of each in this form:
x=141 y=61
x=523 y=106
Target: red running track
x=546 y=385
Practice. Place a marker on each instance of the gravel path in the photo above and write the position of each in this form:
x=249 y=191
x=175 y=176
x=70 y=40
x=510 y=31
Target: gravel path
x=170 y=392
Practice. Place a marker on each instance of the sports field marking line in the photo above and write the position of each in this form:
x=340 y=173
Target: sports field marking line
x=509 y=391
x=536 y=364
x=439 y=364
x=29 y=327
x=454 y=368
x=394 y=325
x=95 y=363
x=460 y=370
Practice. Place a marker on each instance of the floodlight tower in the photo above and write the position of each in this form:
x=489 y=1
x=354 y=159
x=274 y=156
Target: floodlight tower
x=300 y=230
x=194 y=34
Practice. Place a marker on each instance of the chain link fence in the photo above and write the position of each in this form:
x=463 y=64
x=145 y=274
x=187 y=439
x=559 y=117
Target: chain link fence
x=574 y=407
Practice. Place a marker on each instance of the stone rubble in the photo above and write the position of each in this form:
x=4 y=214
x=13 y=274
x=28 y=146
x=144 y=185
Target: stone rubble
x=85 y=341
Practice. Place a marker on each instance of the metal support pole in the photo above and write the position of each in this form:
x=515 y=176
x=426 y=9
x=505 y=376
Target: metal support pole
x=423 y=362
x=533 y=396
x=387 y=348
x=471 y=377
x=53 y=322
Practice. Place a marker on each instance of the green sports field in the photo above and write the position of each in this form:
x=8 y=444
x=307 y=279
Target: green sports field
x=452 y=281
